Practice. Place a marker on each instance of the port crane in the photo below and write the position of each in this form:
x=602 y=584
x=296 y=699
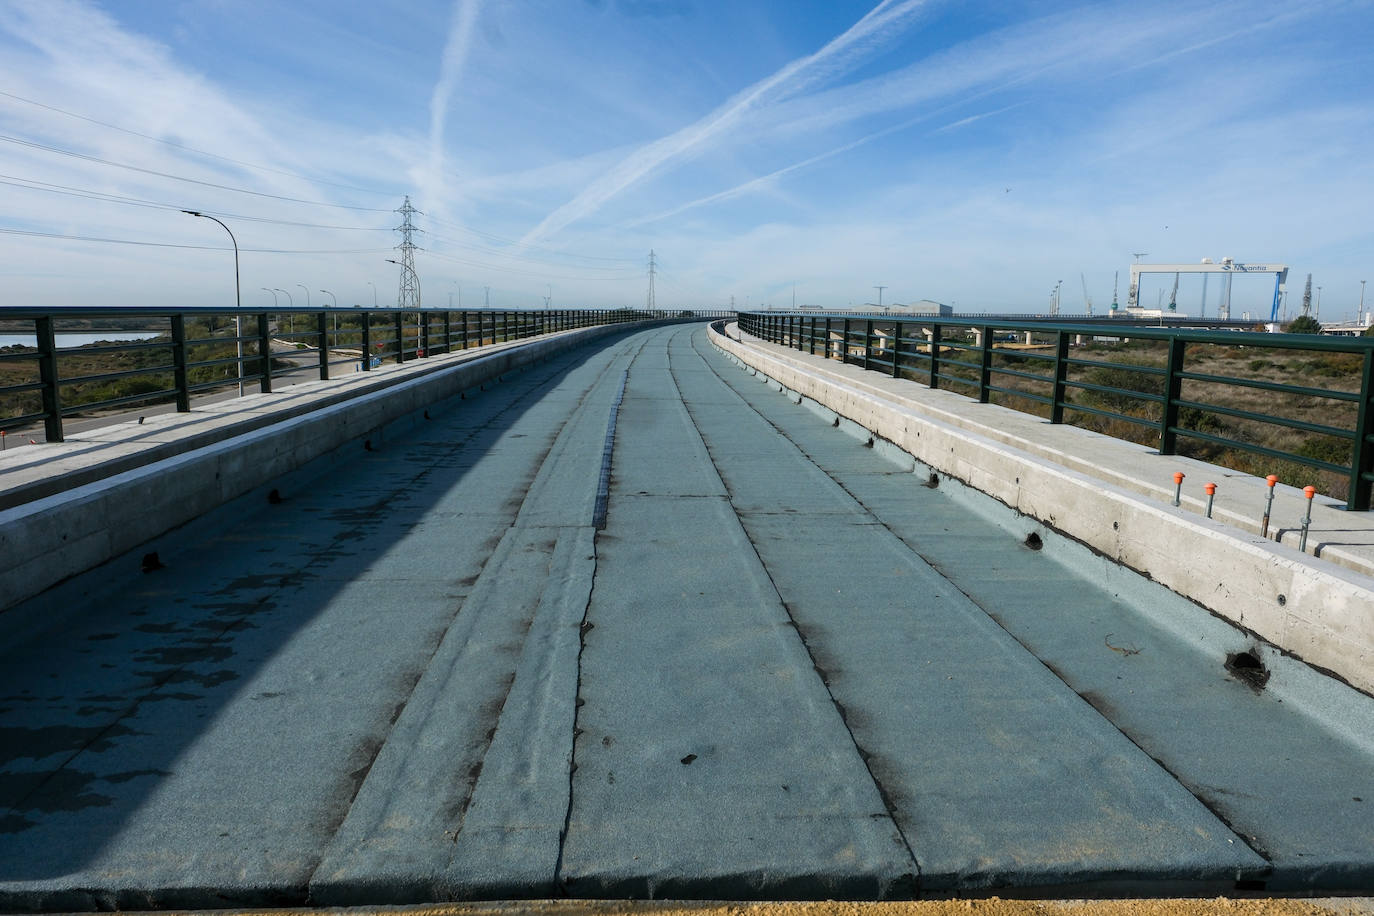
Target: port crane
x=1227 y=267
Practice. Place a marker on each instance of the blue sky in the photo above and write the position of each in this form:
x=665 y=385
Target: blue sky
x=972 y=153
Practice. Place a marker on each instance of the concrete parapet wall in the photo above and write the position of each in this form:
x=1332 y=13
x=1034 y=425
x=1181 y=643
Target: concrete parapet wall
x=1315 y=610
x=81 y=524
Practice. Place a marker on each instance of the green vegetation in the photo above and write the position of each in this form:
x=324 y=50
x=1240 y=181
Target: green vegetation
x=1304 y=324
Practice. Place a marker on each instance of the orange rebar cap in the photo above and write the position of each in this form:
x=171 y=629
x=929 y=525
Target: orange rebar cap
x=1273 y=479
x=1209 y=488
x=1309 y=492
x=1178 y=477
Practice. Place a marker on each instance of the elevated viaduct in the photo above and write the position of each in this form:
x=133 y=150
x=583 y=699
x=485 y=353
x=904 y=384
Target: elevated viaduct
x=661 y=612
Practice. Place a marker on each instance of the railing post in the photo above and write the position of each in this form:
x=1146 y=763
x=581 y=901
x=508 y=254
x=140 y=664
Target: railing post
x=265 y=353
x=1362 y=456
x=1173 y=389
x=400 y=336
x=179 y=363
x=47 y=376
x=322 y=341
x=1061 y=373
x=844 y=344
x=424 y=335
x=448 y=332
x=868 y=343
x=985 y=371
x=811 y=338
x=934 y=356
x=896 y=350
x=367 y=342
x=827 y=338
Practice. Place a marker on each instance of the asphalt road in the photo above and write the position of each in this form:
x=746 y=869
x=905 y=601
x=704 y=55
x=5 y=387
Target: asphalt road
x=784 y=668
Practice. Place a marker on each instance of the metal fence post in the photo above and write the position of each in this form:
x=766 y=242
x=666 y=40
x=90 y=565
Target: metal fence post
x=985 y=370
x=367 y=342
x=265 y=353
x=934 y=356
x=423 y=340
x=868 y=343
x=400 y=337
x=1173 y=389
x=1362 y=456
x=844 y=344
x=322 y=340
x=897 y=350
x=179 y=363
x=1061 y=373
x=47 y=376
x=448 y=332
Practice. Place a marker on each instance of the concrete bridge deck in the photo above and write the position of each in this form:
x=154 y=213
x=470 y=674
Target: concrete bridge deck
x=783 y=668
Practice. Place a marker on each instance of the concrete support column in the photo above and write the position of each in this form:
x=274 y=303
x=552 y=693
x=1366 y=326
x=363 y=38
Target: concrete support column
x=1028 y=339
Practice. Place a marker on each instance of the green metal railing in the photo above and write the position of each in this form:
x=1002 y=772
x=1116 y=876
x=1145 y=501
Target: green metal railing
x=193 y=350
x=1172 y=401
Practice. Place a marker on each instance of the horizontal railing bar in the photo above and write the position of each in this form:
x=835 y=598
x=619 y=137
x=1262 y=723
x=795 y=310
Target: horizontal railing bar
x=1276 y=420
x=72 y=409
x=1107 y=389
x=108 y=376
x=1330 y=393
x=1096 y=411
x=1261 y=450
x=1016 y=392
x=1126 y=367
x=1017 y=373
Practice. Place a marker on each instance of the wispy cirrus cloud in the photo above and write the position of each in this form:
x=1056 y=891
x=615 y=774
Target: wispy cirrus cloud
x=433 y=181
x=838 y=56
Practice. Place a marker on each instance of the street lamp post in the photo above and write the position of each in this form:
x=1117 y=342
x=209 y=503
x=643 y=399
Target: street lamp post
x=291 y=311
x=336 y=305
x=238 y=301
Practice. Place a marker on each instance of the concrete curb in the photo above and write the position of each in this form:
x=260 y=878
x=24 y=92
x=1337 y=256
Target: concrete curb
x=1320 y=613
x=76 y=528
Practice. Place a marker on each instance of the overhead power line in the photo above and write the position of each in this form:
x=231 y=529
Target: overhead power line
x=208 y=184
x=86 y=238
x=87 y=194
x=190 y=149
